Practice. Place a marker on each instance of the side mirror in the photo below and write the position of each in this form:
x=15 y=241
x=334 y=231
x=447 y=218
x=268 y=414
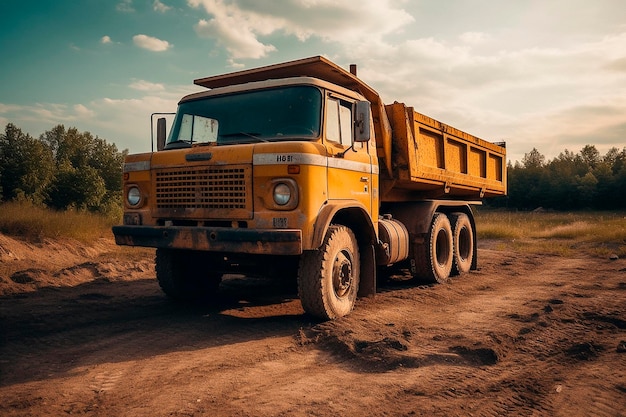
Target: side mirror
x=362 y=121
x=161 y=133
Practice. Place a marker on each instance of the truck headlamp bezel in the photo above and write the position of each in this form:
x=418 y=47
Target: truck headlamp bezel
x=284 y=194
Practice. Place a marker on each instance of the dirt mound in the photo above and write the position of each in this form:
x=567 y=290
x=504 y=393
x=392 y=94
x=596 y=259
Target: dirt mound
x=27 y=266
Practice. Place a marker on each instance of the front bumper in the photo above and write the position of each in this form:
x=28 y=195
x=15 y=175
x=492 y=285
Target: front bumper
x=214 y=239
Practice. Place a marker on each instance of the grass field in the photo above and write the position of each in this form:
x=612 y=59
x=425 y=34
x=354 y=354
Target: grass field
x=36 y=223
x=558 y=233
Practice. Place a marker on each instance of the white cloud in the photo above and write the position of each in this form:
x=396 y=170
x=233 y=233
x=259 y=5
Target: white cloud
x=125 y=6
x=235 y=65
x=546 y=96
x=82 y=112
x=239 y=26
x=125 y=122
x=473 y=37
x=239 y=43
x=106 y=40
x=143 y=85
x=150 y=43
x=158 y=6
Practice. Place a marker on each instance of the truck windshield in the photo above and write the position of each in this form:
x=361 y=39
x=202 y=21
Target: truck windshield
x=286 y=113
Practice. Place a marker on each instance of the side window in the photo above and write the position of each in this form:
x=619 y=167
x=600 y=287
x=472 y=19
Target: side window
x=339 y=121
x=345 y=121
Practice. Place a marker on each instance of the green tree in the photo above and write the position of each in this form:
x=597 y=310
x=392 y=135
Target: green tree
x=89 y=171
x=80 y=189
x=533 y=159
x=570 y=181
x=590 y=156
x=26 y=166
x=526 y=181
x=605 y=187
x=587 y=190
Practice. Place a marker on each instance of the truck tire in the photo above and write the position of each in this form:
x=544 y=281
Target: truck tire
x=328 y=278
x=462 y=242
x=433 y=258
x=183 y=276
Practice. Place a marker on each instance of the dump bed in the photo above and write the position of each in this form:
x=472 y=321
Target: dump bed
x=433 y=160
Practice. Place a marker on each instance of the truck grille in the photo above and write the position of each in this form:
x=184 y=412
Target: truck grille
x=208 y=192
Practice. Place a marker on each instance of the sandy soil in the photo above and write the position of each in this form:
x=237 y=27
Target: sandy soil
x=85 y=330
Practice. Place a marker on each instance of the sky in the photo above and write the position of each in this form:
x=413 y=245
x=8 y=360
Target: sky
x=544 y=74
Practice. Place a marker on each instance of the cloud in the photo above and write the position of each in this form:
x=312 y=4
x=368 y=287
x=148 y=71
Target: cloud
x=239 y=43
x=43 y=116
x=125 y=6
x=549 y=96
x=142 y=85
x=157 y=6
x=106 y=40
x=240 y=26
x=113 y=120
x=82 y=112
x=473 y=37
x=150 y=43
x=125 y=122
x=618 y=64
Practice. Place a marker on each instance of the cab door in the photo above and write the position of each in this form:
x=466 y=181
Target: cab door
x=349 y=169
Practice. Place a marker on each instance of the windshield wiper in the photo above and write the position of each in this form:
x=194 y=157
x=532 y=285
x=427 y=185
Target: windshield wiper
x=252 y=135
x=180 y=143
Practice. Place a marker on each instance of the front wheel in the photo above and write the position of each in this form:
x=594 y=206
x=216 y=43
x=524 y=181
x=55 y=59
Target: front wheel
x=184 y=275
x=328 y=278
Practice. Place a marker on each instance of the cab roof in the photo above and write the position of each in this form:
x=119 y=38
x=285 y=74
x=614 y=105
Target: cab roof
x=317 y=67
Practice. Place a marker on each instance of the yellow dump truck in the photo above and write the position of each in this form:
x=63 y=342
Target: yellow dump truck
x=299 y=169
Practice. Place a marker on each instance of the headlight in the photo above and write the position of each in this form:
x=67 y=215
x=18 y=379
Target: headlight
x=282 y=194
x=133 y=196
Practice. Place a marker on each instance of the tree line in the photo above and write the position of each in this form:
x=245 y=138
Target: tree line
x=571 y=181
x=67 y=169
x=62 y=169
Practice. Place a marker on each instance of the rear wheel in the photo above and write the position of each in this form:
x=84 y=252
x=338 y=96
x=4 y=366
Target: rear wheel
x=462 y=242
x=328 y=278
x=184 y=275
x=433 y=258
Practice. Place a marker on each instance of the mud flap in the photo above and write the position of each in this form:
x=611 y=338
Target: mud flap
x=367 y=285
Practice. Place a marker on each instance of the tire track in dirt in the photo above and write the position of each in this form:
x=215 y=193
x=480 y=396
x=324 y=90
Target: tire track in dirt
x=95 y=324
x=105 y=381
x=524 y=335
x=535 y=328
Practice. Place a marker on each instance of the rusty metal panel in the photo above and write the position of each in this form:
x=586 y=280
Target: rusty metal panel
x=477 y=162
x=217 y=239
x=494 y=167
x=456 y=156
x=430 y=145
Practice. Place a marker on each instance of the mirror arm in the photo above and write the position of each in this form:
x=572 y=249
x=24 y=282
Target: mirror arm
x=342 y=154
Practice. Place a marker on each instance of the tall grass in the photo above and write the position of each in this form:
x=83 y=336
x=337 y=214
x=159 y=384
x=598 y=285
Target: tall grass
x=36 y=223
x=598 y=233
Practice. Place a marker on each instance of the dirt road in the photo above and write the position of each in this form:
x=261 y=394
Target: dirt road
x=85 y=332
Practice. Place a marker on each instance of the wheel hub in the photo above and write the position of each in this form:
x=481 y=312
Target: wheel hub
x=342 y=274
